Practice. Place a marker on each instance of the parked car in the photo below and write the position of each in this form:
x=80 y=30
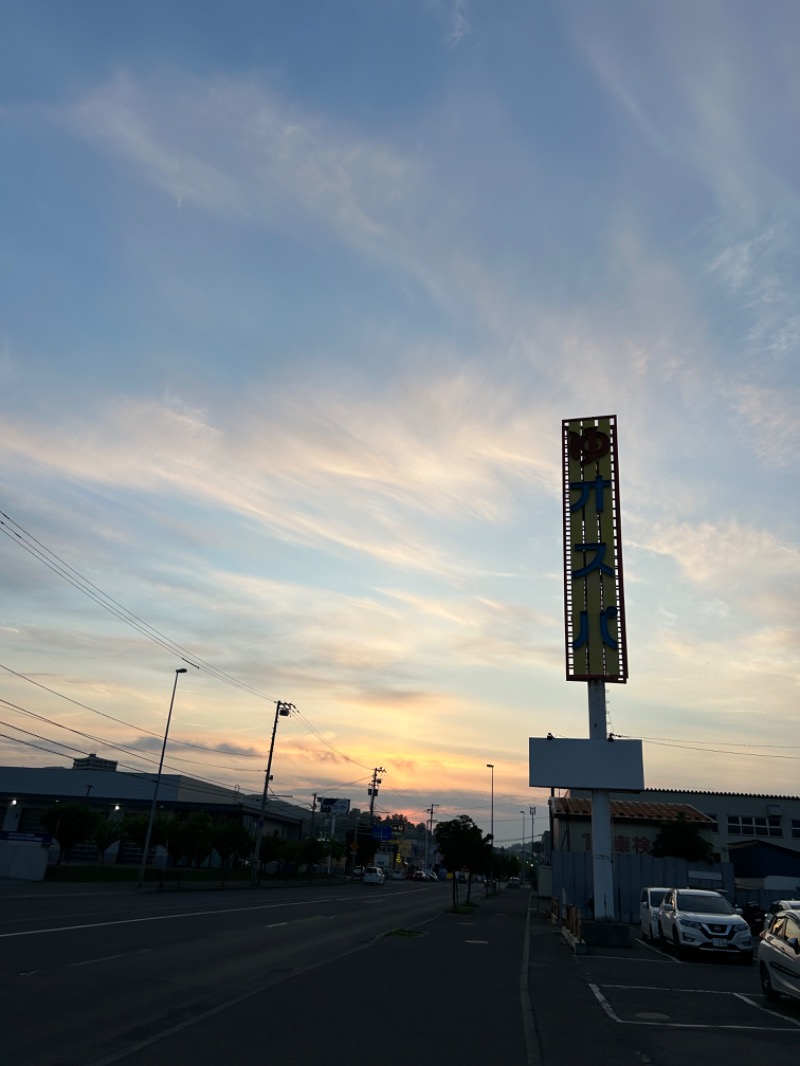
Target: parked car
x=702 y=920
x=373 y=875
x=649 y=902
x=358 y=873
x=779 y=956
x=780 y=905
x=753 y=914
x=513 y=882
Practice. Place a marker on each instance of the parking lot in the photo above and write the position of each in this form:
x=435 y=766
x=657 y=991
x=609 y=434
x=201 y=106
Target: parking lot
x=709 y=991
x=642 y=1005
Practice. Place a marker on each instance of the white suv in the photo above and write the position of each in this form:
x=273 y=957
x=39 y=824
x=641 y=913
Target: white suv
x=373 y=875
x=695 y=918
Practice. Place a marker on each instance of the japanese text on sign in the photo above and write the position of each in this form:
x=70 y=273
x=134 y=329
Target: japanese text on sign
x=593 y=588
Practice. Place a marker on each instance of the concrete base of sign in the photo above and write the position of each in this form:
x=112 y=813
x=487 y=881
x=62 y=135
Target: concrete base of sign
x=605 y=934
x=575 y=945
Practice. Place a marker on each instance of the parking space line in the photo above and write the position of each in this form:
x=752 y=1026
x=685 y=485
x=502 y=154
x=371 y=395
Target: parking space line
x=612 y=1014
x=625 y=959
x=657 y=950
x=766 y=1010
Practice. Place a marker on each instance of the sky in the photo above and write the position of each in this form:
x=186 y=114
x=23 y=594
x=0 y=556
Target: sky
x=294 y=300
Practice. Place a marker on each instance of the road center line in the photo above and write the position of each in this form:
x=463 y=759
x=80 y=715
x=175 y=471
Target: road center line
x=164 y=917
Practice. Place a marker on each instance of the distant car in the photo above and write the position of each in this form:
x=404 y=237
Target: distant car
x=373 y=875
x=780 y=905
x=514 y=882
x=695 y=919
x=779 y=956
x=649 y=902
x=358 y=873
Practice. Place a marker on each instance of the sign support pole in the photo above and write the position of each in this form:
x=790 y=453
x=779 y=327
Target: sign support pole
x=602 y=852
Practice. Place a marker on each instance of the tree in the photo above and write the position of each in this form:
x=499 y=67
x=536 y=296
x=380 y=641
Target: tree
x=461 y=844
x=681 y=840
x=311 y=853
x=190 y=838
x=106 y=831
x=70 y=824
x=271 y=848
x=337 y=850
x=230 y=838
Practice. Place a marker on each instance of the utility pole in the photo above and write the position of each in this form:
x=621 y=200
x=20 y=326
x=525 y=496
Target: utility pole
x=429 y=810
x=282 y=710
x=313 y=814
x=372 y=791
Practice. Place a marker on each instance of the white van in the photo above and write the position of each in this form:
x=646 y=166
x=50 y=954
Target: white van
x=649 y=902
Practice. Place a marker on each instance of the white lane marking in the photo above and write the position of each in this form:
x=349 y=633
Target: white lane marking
x=476 y=941
x=660 y=988
x=108 y=958
x=533 y=1042
x=167 y=917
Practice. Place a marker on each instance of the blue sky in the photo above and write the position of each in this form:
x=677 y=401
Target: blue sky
x=294 y=299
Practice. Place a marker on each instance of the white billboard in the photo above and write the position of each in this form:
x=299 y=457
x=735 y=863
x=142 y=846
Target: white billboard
x=609 y=764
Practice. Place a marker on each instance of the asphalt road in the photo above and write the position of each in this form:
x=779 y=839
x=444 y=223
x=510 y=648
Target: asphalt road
x=331 y=974
x=307 y=974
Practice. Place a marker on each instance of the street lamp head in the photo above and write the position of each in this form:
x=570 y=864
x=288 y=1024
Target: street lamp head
x=490 y=766
x=181 y=670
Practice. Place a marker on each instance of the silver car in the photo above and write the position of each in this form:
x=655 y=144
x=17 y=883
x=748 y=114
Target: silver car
x=649 y=902
x=779 y=956
x=780 y=905
x=373 y=875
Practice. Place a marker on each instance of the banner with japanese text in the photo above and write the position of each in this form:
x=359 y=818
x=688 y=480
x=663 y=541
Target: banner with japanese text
x=594 y=606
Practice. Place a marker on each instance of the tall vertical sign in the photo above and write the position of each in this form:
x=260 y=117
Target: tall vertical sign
x=594 y=602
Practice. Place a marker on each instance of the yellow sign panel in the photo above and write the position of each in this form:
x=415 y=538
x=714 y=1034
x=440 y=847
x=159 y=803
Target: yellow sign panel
x=593 y=588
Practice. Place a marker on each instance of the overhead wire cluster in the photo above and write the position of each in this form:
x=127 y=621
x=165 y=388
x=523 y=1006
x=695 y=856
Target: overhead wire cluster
x=35 y=548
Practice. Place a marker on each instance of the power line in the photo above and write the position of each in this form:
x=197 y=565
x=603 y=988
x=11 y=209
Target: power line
x=20 y=536
x=57 y=565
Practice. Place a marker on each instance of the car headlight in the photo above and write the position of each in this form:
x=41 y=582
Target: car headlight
x=690 y=922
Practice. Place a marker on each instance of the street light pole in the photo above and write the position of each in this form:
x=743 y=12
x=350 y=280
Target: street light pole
x=282 y=710
x=522 y=861
x=533 y=837
x=490 y=766
x=180 y=670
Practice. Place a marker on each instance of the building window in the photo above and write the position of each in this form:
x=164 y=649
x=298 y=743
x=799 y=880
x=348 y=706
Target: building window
x=796 y=828
x=745 y=825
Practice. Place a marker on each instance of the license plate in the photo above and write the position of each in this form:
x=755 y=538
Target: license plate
x=717 y=942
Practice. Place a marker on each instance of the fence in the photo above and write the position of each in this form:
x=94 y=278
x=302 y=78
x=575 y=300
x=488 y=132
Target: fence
x=573 y=879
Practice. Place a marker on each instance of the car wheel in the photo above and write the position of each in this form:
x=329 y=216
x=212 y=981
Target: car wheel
x=766 y=984
x=677 y=946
